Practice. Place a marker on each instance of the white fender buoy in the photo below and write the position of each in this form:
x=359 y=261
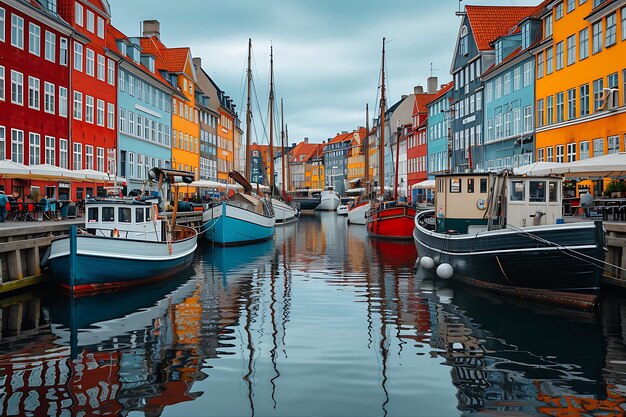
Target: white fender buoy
x=427 y=262
x=445 y=271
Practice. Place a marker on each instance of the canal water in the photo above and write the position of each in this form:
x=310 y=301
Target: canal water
x=321 y=321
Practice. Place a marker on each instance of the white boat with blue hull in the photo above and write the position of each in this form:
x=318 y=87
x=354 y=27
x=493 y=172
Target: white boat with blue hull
x=505 y=234
x=124 y=243
x=240 y=220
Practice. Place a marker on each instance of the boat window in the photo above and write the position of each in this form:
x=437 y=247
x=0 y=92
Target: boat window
x=537 y=191
x=470 y=185
x=92 y=214
x=139 y=215
x=123 y=215
x=148 y=214
x=553 y=196
x=483 y=185
x=517 y=191
x=455 y=185
x=108 y=214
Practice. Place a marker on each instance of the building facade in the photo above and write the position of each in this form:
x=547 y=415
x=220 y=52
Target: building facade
x=439 y=131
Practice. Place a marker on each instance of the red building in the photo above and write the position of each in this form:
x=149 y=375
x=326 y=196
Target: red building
x=417 y=145
x=93 y=93
x=34 y=86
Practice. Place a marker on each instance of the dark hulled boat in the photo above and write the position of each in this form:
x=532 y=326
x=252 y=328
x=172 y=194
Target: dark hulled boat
x=504 y=234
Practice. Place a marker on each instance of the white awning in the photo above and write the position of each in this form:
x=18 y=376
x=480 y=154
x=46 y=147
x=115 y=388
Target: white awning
x=354 y=180
x=427 y=184
x=10 y=169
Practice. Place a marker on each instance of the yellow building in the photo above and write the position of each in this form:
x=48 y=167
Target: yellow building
x=225 y=139
x=314 y=168
x=356 y=160
x=580 y=78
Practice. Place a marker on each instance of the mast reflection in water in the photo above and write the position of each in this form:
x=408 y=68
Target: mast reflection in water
x=324 y=321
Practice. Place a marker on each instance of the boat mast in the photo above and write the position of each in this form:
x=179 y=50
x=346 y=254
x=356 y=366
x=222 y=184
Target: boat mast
x=366 y=145
x=282 y=143
x=271 y=120
x=395 y=183
x=381 y=146
x=288 y=164
x=248 y=111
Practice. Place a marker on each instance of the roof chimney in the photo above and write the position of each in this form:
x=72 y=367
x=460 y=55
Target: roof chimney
x=431 y=85
x=306 y=140
x=152 y=28
x=418 y=89
x=344 y=132
x=197 y=61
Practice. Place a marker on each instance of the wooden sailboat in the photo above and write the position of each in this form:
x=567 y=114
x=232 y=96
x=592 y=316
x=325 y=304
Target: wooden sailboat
x=244 y=217
x=284 y=212
x=389 y=219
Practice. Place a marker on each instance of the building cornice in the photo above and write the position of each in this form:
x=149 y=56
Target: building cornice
x=590 y=118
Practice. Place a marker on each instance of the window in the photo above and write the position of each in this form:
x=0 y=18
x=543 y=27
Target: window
x=89 y=61
x=34 y=149
x=525 y=36
x=549 y=110
x=108 y=214
x=507 y=83
x=613 y=142
x=101 y=61
x=88 y=157
x=50 y=150
x=571 y=104
x=553 y=191
x=2 y=84
x=537 y=189
x=131 y=123
x=78 y=12
x=571 y=152
x=498 y=88
x=583 y=43
x=540 y=66
x=584 y=100
x=558 y=11
x=559 y=56
x=90 y=21
x=100 y=114
x=48 y=97
x=549 y=60
x=78 y=156
x=92 y=214
x=17 y=146
x=455 y=185
x=528 y=119
x=571 y=4
x=34 y=87
x=559 y=153
x=488 y=92
x=517 y=120
x=623 y=14
x=547 y=26
x=17 y=88
x=17 y=31
x=517 y=190
x=2 y=27
x=611 y=29
x=139 y=211
x=63 y=51
x=598 y=147
x=598 y=86
x=78 y=56
x=89 y=109
x=131 y=86
x=560 y=107
x=540 y=120
x=111 y=72
x=124 y=215
x=62 y=101
x=540 y=155
x=63 y=153
x=100 y=27
x=549 y=154
x=34 y=39
x=528 y=73
x=110 y=116
x=571 y=50
x=596 y=37
x=584 y=150
x=50 y=45
x=100 y=159
x=78 y=105
x=517 y=75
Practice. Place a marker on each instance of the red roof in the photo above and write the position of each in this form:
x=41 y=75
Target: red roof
x=169 y=59
x=442 y=91
x=340 y=137
x=491 y=22
x=302 y=149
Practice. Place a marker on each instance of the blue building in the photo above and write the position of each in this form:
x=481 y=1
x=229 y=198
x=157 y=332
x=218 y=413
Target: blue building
x=145 y=115
x=438 y=131
x=336 y=161
x=474 y=52
x=509 y=98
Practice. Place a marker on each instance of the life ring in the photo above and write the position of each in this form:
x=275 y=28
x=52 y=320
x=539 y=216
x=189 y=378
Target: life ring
x=481 y=204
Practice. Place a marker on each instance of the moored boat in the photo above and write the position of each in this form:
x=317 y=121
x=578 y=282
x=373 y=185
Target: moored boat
x=505 y=233
x=125 y=243
x=391 y=219
x=344 y=206
x=357 y=214
x=284 y=212
x=329 y=200
x=307 y=199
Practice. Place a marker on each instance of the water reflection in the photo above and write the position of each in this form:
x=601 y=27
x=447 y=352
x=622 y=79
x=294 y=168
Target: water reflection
x=321 y=321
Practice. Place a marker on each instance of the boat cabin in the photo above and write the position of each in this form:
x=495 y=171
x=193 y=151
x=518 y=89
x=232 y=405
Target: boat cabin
x=127 y=219
x=470 y=203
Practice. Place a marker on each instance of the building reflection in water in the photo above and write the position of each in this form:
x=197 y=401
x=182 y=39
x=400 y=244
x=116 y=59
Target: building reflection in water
x=148 y=349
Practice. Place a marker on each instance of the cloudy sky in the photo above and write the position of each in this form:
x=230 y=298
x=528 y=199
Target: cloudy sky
x=327 y=53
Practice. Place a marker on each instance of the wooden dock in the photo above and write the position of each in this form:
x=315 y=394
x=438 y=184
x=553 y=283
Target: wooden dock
x=616 y=255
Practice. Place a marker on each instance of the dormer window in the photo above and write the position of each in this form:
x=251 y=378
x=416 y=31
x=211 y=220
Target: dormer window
x=148 y=62
x=547 y=26
x=526 y=35
x=463 y=41
x=498 y=52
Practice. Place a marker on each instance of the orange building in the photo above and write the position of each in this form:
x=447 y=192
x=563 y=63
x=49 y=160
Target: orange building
x=178 y=63
x=297 y=164
x=356 y=159
x=314 y=167
x=225 y=138
x=580 y=78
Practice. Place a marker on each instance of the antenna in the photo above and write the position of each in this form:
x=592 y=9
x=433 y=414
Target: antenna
x=432 y=70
